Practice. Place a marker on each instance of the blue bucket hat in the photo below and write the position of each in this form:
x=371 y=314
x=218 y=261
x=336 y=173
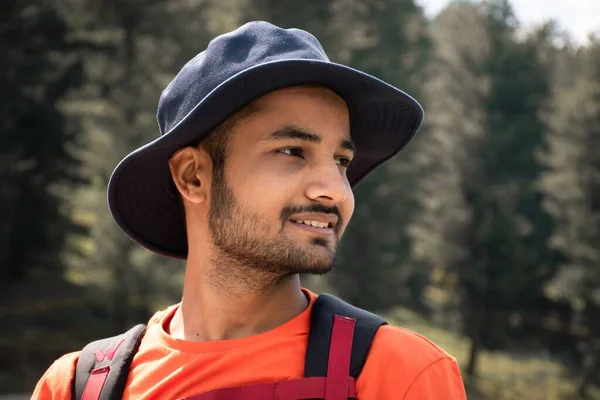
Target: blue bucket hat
x=235 y=69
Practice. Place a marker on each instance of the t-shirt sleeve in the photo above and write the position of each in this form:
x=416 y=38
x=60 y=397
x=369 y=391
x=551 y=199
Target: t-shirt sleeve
x=440 y=380
x=403 y=365
x=56 y=382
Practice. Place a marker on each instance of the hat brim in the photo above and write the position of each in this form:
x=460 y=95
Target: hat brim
x=142 y=197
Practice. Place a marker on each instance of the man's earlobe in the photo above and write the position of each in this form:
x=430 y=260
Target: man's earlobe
x=187 y=171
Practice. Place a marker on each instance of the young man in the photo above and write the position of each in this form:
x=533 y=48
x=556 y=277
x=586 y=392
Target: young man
x=262 y=139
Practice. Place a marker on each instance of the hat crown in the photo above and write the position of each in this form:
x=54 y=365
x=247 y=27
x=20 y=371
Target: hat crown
x=252 y=44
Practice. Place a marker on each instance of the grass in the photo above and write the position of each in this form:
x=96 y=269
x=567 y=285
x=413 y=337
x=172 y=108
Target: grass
x=501 y=375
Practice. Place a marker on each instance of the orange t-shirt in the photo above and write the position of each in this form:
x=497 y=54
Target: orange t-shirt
x=400 y=365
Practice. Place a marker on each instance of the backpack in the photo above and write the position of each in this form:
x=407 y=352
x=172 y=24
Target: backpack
x=339 y=340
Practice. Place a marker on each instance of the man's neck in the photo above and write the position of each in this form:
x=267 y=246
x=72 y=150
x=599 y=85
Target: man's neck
x=232 y=309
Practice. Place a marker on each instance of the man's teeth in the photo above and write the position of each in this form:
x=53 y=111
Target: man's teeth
x=316 y=224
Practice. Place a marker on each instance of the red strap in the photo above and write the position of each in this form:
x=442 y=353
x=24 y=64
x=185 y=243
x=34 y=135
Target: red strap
x=94 y=385
x=295 y=389
x=340 y=350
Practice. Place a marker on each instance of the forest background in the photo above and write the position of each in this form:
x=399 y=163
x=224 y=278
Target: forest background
x=484 y=234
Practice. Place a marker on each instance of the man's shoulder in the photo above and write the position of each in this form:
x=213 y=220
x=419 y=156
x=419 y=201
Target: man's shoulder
x=65 y=363
x=406 y=365
x=56 y=382
x=401 y=345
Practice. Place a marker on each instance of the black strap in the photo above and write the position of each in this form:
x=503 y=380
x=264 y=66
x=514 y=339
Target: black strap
x=321 y=326
x=116 y=352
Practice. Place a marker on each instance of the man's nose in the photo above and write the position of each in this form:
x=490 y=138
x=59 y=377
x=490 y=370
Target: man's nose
x=327 y=183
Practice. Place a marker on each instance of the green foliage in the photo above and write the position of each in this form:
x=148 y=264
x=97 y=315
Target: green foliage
x=572 y=184
x=481 y=229
x=572 y=197
x=39 y=67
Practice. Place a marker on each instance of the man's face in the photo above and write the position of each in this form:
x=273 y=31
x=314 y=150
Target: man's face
x=283 y=200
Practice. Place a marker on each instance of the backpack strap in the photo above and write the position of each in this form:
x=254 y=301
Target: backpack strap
x=323 y=314
x=103 y=366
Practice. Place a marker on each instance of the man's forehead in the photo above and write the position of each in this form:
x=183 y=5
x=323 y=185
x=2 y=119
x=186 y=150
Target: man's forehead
x=310 y=113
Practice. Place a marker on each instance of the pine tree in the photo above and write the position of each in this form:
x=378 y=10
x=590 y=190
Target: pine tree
x=39 y=68
x=481 y=230
x=572 y=193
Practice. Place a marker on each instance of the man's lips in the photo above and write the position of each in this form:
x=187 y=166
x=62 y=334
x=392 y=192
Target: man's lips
x=319 y=223
x=314 y=229
x=315 y=220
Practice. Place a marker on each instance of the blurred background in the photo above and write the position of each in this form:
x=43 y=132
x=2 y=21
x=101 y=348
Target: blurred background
x=483 y=235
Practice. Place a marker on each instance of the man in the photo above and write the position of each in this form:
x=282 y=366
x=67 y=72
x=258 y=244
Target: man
x=251 y=182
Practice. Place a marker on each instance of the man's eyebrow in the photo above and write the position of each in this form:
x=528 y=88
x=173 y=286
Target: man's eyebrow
x=290 y=132
x=348 y=144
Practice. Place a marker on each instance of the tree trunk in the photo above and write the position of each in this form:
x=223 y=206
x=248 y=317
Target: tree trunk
x=121 y=297
x=590 y=364
x=473 y=357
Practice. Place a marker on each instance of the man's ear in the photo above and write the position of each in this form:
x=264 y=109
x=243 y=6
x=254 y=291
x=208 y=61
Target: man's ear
x=191 y=170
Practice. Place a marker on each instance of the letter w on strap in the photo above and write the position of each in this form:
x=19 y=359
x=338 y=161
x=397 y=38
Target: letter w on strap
x=103 y=366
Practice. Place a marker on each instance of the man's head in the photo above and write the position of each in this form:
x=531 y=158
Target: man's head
x=269 y=186
x=236 y=68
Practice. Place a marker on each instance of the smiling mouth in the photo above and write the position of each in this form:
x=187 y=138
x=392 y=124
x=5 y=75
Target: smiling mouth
x=314 y=224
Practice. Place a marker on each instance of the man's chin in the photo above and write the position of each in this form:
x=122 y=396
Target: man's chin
x=314 y=270
x=319 y=261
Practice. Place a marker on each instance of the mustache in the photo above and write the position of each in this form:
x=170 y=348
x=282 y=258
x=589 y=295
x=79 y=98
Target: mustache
x=288 y=211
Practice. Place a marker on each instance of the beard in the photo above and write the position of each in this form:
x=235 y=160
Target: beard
x=245 y=245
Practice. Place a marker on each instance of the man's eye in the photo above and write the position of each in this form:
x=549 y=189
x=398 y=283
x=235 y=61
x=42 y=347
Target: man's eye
x=343 y=161
x=292 y=151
